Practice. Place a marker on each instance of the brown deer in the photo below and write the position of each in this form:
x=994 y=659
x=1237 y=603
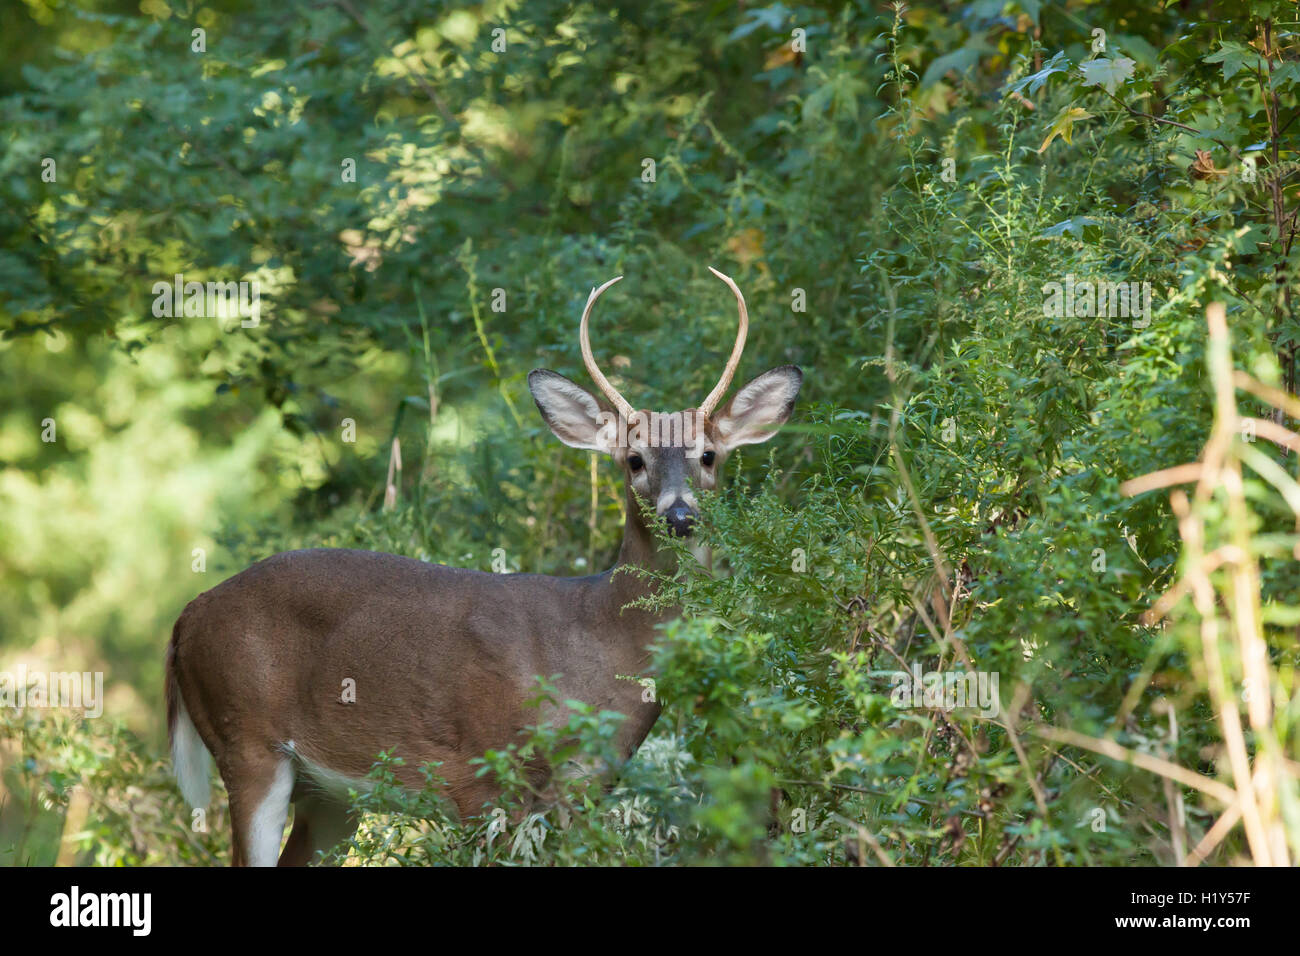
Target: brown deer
x=442 y=660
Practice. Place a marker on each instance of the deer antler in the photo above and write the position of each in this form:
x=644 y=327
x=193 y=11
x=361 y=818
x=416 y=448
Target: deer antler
x=622 y=404
x=707 y=406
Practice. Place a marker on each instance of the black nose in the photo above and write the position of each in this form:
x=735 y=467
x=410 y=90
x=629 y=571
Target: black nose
x=680 y=518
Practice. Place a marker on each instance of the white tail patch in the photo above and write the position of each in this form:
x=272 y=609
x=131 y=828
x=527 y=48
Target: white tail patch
x=191 y=761
x=267 y=826
x=326 y=782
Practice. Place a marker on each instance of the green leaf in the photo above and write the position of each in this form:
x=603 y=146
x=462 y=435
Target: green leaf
x=1059 y=63
x=1063 y=125
x=1109 y=74
x=1288 y=74
x=1233 y=56
x=1245 y=241
x=771 y=17
x=1072 y=227
x=960 y=60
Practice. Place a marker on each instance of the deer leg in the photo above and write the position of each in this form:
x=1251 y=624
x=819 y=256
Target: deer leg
x=297 y=849
x=319 y=825
x=259 y=784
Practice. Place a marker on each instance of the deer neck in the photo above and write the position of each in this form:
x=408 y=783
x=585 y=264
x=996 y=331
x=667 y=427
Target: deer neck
x=639 y=551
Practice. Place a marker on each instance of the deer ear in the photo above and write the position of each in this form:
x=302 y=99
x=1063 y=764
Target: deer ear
x=757 y=410
x=577 y=417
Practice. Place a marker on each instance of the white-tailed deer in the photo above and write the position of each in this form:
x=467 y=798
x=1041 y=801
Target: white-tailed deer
x=443 y=659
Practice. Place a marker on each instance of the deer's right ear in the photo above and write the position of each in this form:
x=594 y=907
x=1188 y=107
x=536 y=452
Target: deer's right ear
x=577 y=417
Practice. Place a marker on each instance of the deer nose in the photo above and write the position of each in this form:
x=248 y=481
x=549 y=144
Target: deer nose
x=680 y=518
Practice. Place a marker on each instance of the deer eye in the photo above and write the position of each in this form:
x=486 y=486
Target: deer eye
x=707 y=459
x=635 y=462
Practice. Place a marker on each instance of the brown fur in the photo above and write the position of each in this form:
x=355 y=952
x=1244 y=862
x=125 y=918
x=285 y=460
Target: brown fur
x=443 y=660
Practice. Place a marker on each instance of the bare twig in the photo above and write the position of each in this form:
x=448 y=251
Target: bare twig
x=1108 y=748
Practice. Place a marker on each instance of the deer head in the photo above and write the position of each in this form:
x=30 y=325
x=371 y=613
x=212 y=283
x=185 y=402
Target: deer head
x=666 y=456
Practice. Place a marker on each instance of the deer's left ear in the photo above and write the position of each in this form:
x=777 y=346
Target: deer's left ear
x=760 y=408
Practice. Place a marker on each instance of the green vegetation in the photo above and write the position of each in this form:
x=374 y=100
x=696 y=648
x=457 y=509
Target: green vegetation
x=895 y=190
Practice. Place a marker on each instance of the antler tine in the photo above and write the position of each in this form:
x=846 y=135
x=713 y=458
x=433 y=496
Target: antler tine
x=622 y=404
x=707 y=406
